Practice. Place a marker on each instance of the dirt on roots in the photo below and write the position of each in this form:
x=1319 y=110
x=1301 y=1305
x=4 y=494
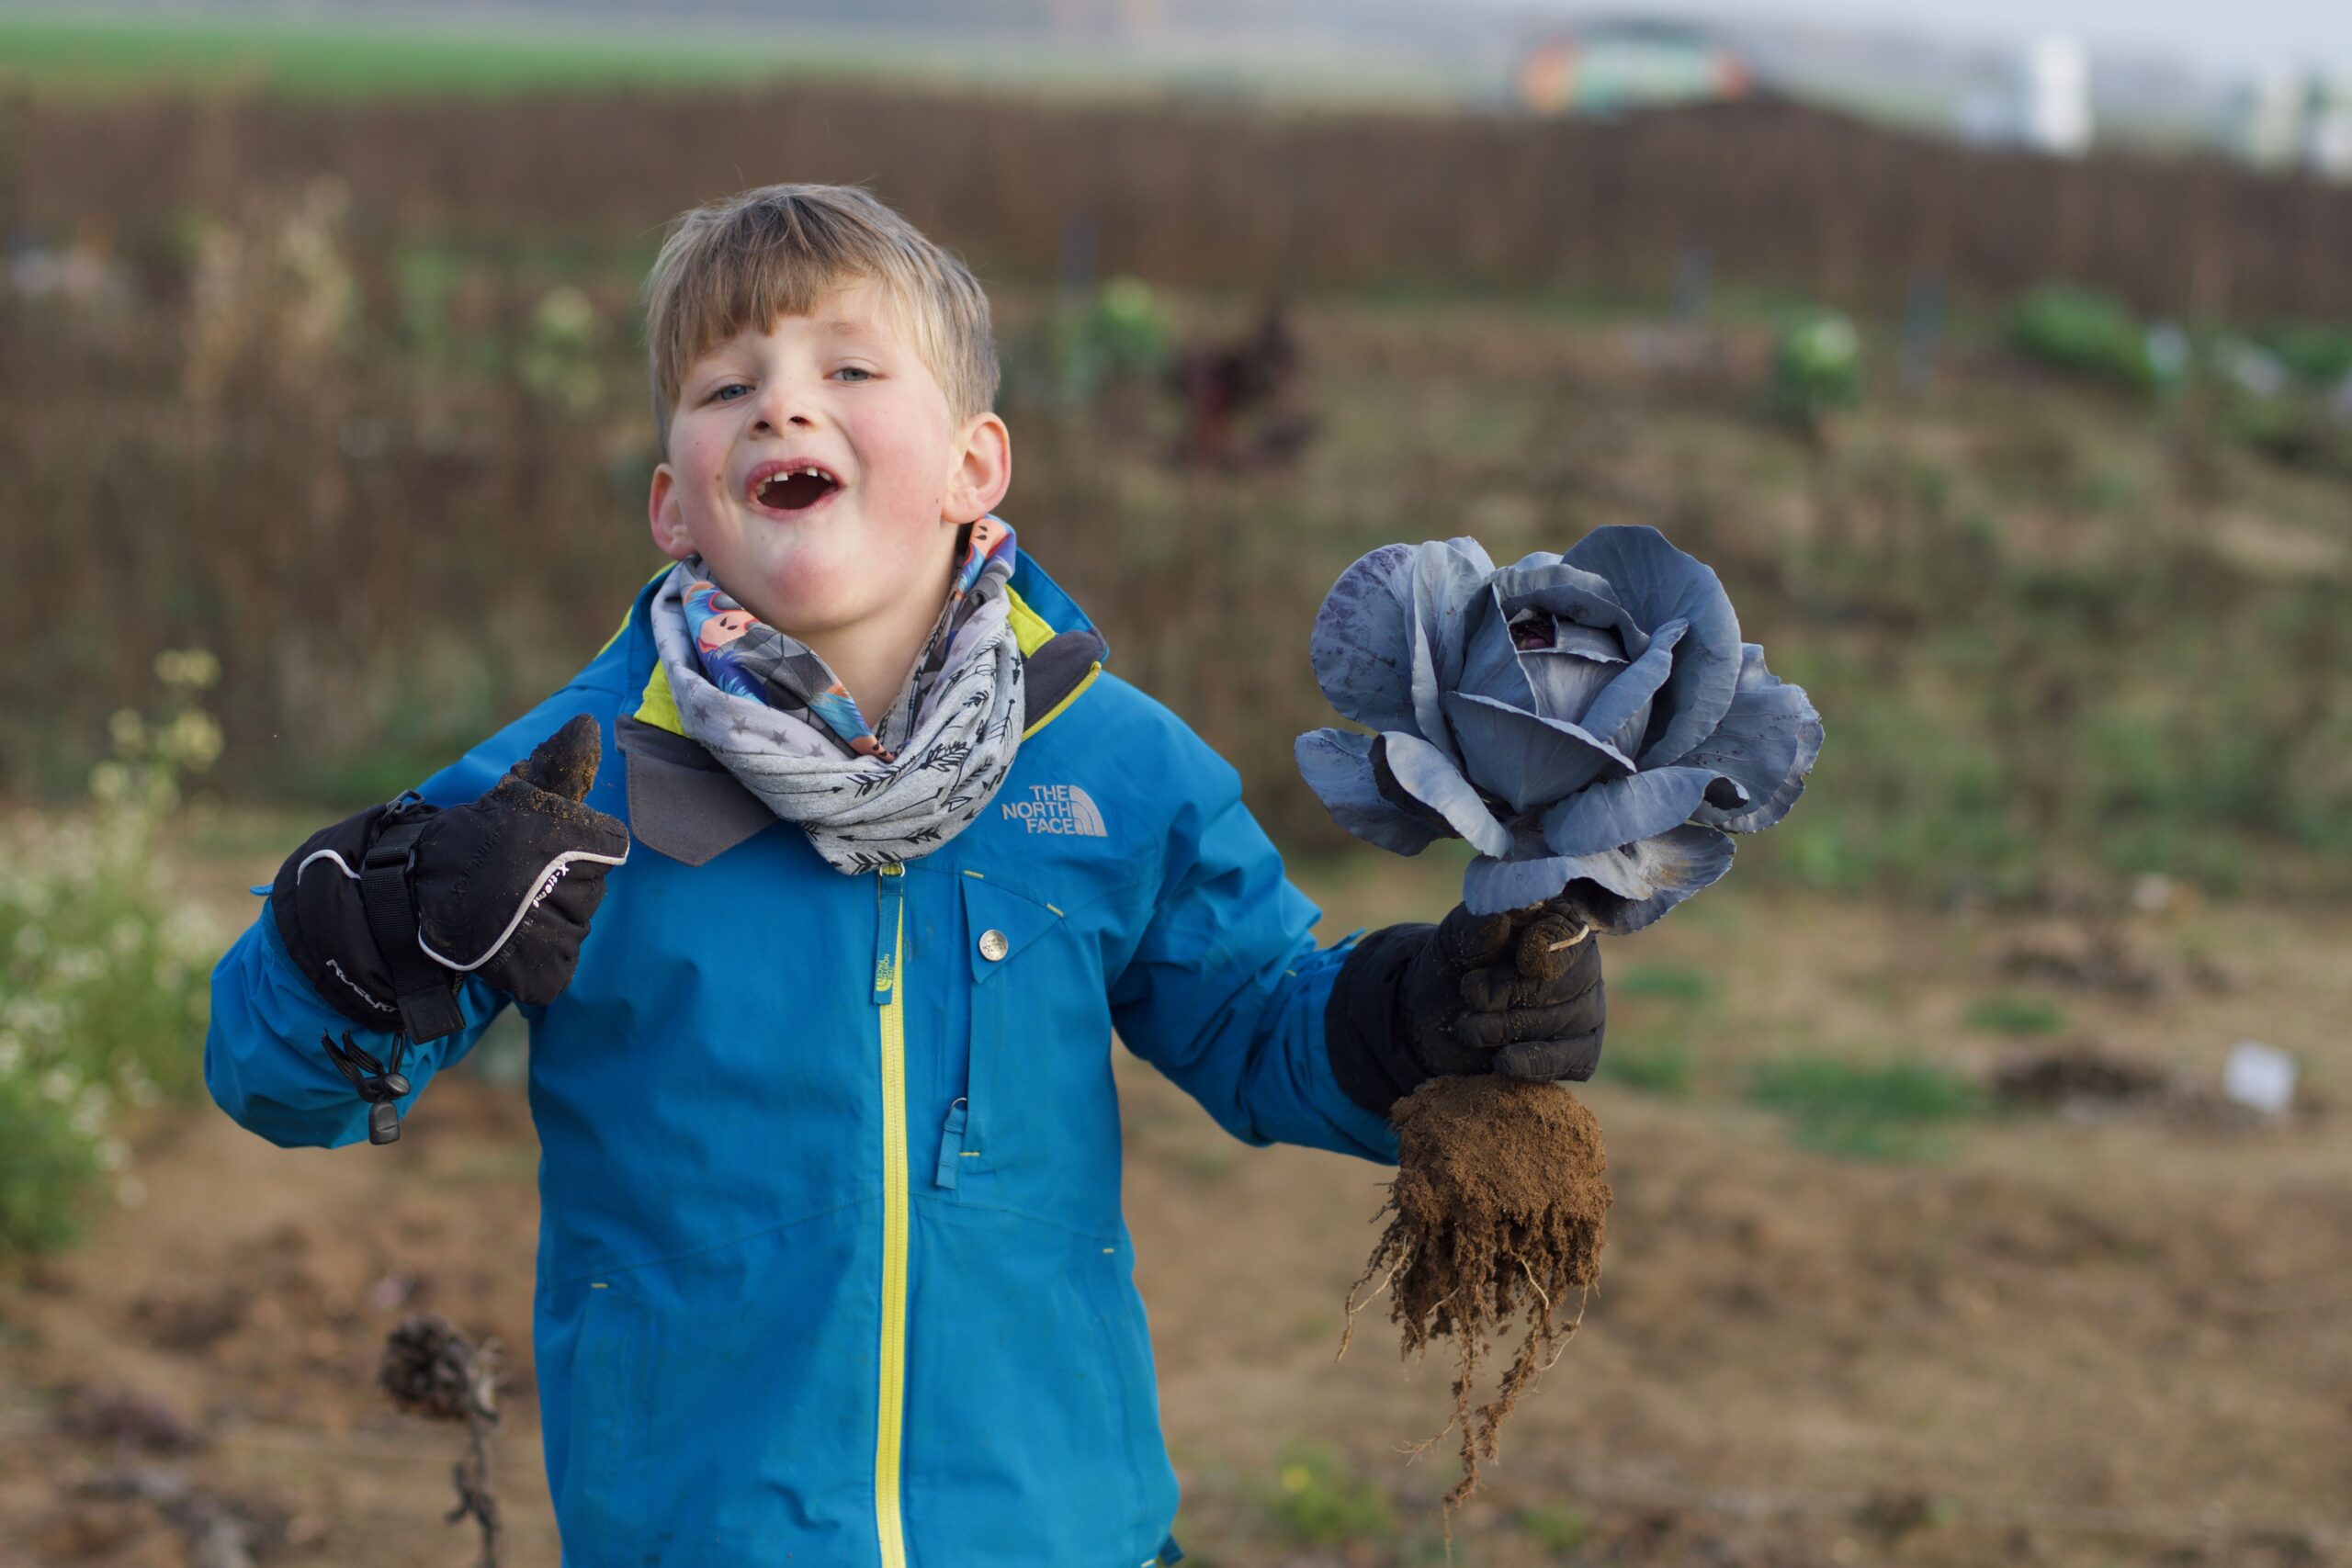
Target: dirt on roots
x=1498 y=1206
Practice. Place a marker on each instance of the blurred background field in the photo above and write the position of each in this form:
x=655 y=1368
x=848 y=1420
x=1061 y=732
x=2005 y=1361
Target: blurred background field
x=324 y=410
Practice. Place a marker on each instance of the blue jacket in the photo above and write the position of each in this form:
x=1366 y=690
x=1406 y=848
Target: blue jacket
x=832 y=1265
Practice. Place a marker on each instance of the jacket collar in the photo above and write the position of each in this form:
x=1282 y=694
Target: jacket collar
x=683 y=802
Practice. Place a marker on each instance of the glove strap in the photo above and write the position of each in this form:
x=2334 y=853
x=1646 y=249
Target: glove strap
x=427 y=1000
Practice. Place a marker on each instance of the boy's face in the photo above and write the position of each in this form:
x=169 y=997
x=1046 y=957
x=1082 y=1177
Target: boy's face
x=843 y=389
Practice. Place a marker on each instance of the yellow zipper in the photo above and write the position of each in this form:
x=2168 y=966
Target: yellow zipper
x=890 y=994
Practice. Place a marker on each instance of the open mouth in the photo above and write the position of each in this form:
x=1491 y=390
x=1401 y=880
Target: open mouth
x=793 y=489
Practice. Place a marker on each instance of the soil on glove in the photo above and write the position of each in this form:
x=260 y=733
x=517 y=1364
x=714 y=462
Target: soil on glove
x=1547 y=944
x=1499 y=1201
x=564 y=764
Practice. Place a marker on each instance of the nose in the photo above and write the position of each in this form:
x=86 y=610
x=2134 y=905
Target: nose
x=780 y=405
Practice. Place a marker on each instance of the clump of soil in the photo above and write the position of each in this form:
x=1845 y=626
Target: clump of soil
x=124 y=1417
x=564 y=764
x=2079 y=1074
x=430 y=1370
x=1498 y=1204
x=2096 y=955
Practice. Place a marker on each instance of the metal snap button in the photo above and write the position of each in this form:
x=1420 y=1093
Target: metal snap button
x=993 y=946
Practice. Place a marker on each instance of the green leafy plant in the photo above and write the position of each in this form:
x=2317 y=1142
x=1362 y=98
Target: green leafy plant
x=2086 y=333
x=1128 y=327
x=102 y=976
x=2283 y=392
x=1320 y=1502
x=560 y=362
x=1816 y=365
x=43 y=1162
x=1649 y=1048
x=1122 y=334
x=1652 y=1066
x=2318 y=351
x=1865 y=1113
x=1557 y=1527
x=2017 y=1015
x=1665 y=982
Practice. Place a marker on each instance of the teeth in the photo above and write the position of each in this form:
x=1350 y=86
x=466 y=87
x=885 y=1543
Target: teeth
x=782 y=474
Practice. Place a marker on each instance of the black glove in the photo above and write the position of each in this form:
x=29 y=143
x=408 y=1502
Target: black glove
x=388 y=909
x=1474 y=994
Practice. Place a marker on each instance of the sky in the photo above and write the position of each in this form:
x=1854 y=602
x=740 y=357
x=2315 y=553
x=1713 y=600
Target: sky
x=2219 y=37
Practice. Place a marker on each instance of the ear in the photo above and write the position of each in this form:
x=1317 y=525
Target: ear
x=666 y=517
x=983 y=470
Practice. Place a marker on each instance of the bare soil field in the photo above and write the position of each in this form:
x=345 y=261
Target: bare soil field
x=2046 y=1336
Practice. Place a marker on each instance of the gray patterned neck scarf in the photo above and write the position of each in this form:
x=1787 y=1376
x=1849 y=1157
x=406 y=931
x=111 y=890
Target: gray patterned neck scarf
x=766 y=705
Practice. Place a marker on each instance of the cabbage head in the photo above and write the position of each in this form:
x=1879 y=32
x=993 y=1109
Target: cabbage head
x=1590 y=722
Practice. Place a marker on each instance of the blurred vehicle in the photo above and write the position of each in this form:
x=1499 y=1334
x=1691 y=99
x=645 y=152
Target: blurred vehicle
x=2327 y=127
x=1608 y=67
x=2283 y=119
x=2041 y=99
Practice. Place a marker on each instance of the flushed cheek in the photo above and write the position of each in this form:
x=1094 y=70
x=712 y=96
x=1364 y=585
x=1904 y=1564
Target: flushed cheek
x=901 y=489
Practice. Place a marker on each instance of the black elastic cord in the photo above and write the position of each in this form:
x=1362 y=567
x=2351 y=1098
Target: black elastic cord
x=377 y=1084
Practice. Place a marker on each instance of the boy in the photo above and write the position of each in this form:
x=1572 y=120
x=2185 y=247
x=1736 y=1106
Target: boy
x=832 y=1266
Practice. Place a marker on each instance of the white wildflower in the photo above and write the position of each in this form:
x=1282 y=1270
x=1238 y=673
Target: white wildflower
x=110 y=784
x=76 y=966
x=193 y=739
x=194 y=668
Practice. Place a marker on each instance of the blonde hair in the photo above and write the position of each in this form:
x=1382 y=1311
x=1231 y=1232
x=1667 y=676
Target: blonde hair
x=782 y=249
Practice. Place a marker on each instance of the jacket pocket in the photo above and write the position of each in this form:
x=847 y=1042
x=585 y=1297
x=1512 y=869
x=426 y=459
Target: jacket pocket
x=1031 y=1434
x=1125 y=1337
x=721 y=1406
x=607 y=1425
x=1041 y=1108
x=1000 y=926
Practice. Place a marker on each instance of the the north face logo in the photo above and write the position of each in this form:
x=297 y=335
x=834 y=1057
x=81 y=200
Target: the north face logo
x=1059 y=808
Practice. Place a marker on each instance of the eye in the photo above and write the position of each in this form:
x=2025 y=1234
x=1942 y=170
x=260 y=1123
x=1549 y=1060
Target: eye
x=855 y=371
x=720 y=395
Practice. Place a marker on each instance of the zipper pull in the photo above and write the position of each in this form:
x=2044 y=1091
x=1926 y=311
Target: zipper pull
x=950 y=1146
x=889 y=888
